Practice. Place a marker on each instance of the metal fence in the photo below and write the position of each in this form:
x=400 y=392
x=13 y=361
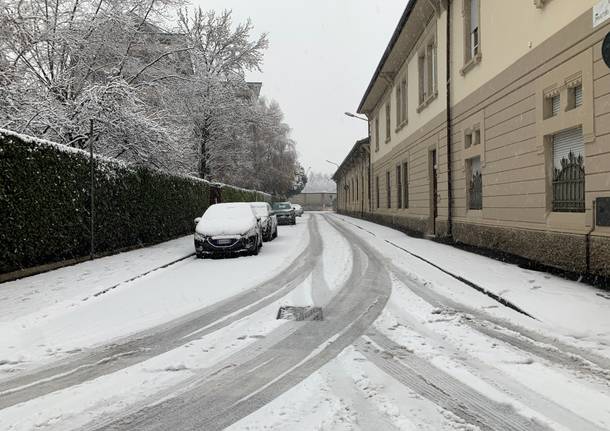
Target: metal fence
x=475 y=193
x=569 y=185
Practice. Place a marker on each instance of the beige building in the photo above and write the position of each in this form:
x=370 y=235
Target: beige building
x=490 y=125
x=316 y=201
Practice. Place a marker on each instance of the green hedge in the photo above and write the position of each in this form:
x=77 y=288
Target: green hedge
x=45 y=203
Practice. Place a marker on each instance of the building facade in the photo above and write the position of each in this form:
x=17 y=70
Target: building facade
x=489 y=125
x=316 y=201
x=352 y=178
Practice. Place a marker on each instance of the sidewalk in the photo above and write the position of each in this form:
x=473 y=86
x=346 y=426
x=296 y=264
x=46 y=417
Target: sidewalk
x=574 y=309
x=27 y=295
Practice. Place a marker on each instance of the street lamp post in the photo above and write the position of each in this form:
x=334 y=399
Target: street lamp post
x=333 y=163
x=349 y=114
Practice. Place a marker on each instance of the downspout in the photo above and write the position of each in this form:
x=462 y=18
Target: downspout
x=449 y=129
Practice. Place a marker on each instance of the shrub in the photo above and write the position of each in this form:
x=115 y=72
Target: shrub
x=45 y=203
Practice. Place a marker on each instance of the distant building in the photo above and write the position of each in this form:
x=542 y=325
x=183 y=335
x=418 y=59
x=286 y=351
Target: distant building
x=497 y=136
x=318 y=201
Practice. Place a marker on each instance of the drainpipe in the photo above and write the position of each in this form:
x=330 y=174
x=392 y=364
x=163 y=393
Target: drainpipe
x=449 y=129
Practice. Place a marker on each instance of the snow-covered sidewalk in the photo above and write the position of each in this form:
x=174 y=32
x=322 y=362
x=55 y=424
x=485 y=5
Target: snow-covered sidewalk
x=30 y=294
x=573 y=309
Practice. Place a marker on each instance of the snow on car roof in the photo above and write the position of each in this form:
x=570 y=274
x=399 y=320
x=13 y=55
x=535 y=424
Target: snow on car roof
x=229 y=210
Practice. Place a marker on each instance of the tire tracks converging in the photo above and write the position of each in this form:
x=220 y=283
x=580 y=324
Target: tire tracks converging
x=144 y=345
x=217 y=401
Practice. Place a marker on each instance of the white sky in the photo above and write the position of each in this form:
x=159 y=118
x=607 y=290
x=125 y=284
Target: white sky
x=321 y=57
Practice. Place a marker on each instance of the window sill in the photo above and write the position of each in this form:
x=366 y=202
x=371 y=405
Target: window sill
x=470 y=64
x=401 y=126
x=426 y=102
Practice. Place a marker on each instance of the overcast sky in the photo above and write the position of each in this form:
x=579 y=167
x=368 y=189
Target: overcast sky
x=321 y=57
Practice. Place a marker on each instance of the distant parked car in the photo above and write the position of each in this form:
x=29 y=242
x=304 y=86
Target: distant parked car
x=284 y=212
x=227 y=229
x=268 y=219
x=298 y=210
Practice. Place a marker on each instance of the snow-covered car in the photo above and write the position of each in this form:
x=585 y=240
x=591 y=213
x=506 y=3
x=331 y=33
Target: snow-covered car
x=298 y=210
x=227 y=229
x=268 y=220
x=284 y=212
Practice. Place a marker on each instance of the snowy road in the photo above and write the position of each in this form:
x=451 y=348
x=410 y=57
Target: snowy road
x=403 y=344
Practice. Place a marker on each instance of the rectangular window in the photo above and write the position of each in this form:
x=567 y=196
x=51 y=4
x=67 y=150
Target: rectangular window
x=555 y=105
x=377 y=133
x=398 y=187
x=388 y=188
x=377 y=191
x=357 y=193
x=421 y=66
x=475 y=188
x=575 y=97
x=472 y=34
x=431 y=66
x=427 y=71
x=404 y=110
x=578 y=95
x=388 y=121
x=398 y=105
x=568 y=171
x=405 y=185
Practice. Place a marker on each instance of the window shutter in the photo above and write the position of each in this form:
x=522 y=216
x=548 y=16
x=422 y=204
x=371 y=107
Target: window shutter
x=555 y=105
x=566 y=141
x=578 y=95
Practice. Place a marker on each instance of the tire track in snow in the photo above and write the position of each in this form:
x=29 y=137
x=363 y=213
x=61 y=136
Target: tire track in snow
x=216 y=402
x=529 y=341
x=138 y=347
x=441 y=388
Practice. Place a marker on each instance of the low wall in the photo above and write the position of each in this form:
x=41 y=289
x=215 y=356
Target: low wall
x=563 y=251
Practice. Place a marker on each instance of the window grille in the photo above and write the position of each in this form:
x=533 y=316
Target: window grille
x=568 y=171
x=475 y=190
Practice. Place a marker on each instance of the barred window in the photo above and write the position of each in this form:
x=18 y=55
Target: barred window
x=475 y=189
x=568 y=171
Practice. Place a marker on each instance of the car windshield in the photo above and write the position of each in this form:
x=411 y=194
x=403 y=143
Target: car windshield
x=228 y=211
x=261 y=210
x=282 y=206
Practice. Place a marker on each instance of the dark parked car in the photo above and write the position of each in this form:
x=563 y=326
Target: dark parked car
x=268 y=220
x=284 y=212
x=226 y=229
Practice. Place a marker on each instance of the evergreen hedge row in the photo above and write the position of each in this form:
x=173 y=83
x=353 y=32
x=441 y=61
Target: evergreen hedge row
x=45 y=203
